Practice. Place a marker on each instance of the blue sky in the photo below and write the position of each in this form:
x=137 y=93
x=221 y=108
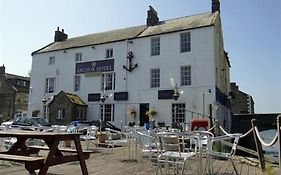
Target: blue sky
x=251 y=29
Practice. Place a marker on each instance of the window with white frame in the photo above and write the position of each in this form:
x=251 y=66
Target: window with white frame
x=185 y=43
x=52 y=60
x=185 y=75
x=107 y=112
x=77 y=82
x=109 y=53
x=50 y=85
x=155 y=46
x=61 y=113
x=78 y=57
x=108 y=81
x=80 y=113
x=155 y=78
x=178 y=112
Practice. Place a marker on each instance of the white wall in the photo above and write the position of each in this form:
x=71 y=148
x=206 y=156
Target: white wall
x=137 y=82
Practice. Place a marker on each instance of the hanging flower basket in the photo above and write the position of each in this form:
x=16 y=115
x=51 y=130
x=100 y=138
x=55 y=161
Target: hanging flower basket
x=151 y=112
x=132 y=111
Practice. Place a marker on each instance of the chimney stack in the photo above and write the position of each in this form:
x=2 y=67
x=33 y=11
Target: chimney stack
x=2 y=71
x=215 y=6
x=152 y=18
x=60 y=35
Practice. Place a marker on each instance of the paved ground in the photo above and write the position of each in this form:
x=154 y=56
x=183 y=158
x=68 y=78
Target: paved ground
x=117 y=163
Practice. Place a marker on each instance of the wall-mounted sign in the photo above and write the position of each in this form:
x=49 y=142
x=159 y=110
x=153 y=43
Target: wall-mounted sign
x=165 y=94
x=95 y=66
x=121 y=96
x=94 y=97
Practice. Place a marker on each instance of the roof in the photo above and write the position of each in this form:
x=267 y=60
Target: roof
x=75 y=99
x=167 y=26
x=12 y=76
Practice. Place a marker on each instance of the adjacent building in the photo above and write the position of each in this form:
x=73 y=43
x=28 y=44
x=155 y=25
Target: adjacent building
x=139 y=68
x=14 y=92
x=66 y=107
x=241 y=102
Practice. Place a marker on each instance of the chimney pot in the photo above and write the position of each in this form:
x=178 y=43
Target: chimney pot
x=60 y=35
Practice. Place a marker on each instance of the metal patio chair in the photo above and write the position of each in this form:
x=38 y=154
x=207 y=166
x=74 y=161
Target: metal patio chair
x=229 y=155
x=116 y=138
x=172 y=152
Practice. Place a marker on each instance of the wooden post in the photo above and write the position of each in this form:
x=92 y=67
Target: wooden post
x=217 y=145
x=258 y=146
x=210 y=116
x=279 y=139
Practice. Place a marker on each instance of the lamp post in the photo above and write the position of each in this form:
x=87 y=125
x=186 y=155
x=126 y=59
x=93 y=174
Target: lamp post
x=103 y=97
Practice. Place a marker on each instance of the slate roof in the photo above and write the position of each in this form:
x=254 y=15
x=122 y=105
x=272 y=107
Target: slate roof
x=167 y=26
x=12 y=76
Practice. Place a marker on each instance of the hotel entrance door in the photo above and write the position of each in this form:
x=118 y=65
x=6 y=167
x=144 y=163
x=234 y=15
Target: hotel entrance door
x=144 y=107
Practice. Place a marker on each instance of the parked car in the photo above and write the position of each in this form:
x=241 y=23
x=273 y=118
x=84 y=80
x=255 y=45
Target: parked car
x=7 y=123
x=31 y=123
x=81 y=126
x=104 y=125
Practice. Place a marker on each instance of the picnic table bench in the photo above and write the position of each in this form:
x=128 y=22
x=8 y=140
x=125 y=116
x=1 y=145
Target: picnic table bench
x=20 y=152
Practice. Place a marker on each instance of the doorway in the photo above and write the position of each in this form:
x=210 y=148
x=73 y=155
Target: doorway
x=144 y=107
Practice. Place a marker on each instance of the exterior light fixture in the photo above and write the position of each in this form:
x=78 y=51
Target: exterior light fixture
x=103 y=98
x=176 y=94
x=44 y=100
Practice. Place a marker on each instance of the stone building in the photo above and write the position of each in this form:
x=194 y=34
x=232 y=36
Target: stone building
x=241 y=102
x=14 y=91
x=66 y=107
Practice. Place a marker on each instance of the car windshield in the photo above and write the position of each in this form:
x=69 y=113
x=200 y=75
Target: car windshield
x=38 y=121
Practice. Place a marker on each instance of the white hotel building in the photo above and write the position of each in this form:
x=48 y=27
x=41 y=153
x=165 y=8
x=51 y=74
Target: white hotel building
x=135 y=65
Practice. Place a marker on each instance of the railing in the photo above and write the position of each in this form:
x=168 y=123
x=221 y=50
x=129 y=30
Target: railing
x=258 y=141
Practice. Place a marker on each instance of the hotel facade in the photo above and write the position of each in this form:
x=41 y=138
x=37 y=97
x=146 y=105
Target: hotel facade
x=122 y=74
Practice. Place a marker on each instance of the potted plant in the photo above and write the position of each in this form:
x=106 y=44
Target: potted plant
x=132 y=123
x=161 y=124
x=102 y=137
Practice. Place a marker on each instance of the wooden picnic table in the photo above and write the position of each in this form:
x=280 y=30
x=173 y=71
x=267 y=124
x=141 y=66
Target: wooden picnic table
x=19 y=151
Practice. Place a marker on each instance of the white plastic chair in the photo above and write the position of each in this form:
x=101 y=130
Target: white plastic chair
x=226 y=155
x=172 y=153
